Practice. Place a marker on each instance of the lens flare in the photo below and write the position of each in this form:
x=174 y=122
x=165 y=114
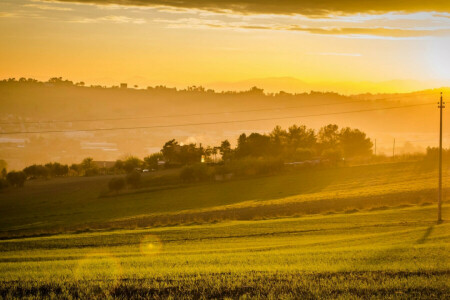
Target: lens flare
x=150 y=245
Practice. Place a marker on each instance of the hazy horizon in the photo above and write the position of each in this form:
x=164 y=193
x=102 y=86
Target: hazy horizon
x=322 y=46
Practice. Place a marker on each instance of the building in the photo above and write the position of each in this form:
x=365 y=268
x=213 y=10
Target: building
x=123 y=85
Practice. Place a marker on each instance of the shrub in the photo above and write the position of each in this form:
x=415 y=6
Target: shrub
x=196 y=172
x=3 y=183
x=116 y=184
x=16 y=178
x=91 y=172
x=131 y=164
x=201 y=172
x=333 y=155
x=302 y=154
x=252 y=166
x=187 y=174
x=134 y=178
x=151 y=161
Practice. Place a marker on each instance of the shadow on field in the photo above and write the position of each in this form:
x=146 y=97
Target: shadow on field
x=395 y=252
x=384 y=256
x=425 y=236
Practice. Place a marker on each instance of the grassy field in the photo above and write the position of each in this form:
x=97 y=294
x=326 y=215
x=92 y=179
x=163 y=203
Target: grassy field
x=77 y=204
x=393 y=253
x=350 y=232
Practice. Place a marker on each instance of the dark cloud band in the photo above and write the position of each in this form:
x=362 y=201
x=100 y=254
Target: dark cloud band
x=288 y=7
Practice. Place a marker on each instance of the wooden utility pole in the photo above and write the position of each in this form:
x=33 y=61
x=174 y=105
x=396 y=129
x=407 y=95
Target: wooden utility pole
x=441 y=106
x=393 y=149
x=375 y=147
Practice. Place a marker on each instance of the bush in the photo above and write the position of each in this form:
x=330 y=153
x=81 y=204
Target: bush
x=131 y=163
x=91 y=172
x=332 y=155
x=134 y=178
x=116 y=184
x=3 y=183
x=187 y=174
x=252 y=166
x=16 y=178
x=302 y=154
x=197 y=172
x=201 y=172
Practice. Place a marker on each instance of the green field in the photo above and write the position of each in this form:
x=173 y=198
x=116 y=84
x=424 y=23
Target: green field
x=349 y=232
x=76 y=204
x=394 y=253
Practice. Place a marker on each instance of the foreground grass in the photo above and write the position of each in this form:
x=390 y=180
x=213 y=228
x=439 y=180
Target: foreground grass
x=75 y=204
x=393 y=253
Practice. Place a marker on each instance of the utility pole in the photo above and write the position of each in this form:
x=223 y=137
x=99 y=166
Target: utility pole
x=441 y=106
x=393 y=149
x=375 y=147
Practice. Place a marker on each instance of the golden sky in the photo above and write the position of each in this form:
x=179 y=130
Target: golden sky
x=347 y=46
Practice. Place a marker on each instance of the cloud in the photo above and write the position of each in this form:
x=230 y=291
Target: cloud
x=47 y=7
x=7 y=15
x=338 y=31
x=109 y=19
x=337 y=54
x=378 y=31
x=287 y=7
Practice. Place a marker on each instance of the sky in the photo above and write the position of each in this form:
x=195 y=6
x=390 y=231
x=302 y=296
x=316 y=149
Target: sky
x=346 y=46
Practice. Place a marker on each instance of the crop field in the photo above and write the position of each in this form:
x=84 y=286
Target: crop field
x=79 y=204
x=343 y=233
x=392 y=253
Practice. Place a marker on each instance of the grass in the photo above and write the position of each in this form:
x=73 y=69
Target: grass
x=390 y=253
x=344 y=233
x=77 y=204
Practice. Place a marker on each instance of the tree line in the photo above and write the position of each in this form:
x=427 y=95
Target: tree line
x=61 y=82
x=296 y=143
x=254 y=153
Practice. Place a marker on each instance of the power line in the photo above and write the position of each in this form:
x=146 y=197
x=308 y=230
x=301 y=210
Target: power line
x=198 y=114
x=174 y=115
x=214 y=123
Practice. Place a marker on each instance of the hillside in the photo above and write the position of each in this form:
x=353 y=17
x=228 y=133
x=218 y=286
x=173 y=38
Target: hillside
x=161 y=114
x=57 y=205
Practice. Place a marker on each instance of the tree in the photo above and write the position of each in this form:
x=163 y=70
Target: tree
x=175 y=153
x=16 y=178
x=328 y=137
x=118 y=165
x=332 y=155
x=131 y=163
x=170 y=150
x=75 y=168
x=116 y=184
x=87 y=163
x=37 y=171
x=151 y=161
x=3 y=183
x=89 y=167
x=225 y=150
x=255 y=144
x=3 y=165
x=301 y=137
x=354 y=143
x=278 y=138
x=57 y=169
